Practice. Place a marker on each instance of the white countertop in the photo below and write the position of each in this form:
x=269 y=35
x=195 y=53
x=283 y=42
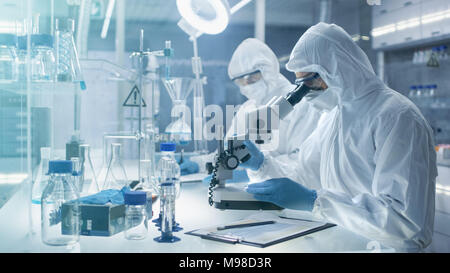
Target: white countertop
x=192 y=212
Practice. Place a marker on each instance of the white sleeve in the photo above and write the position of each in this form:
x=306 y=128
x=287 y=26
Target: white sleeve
x=399 y=212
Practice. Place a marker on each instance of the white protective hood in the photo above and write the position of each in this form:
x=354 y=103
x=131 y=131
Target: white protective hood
x=372 y=160
x=252 y=55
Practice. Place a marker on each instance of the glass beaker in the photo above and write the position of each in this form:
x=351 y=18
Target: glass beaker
x=116 y=177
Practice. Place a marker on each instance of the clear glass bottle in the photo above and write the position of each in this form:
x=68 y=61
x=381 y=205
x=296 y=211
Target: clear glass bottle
x=42 y=58
x=116 y=177
x=8 y=58
x=87 y=169
x=76 y=173
x=40 y=181
x=60 y=214
x=169 y=172
x=168 y=168
x=136 y=217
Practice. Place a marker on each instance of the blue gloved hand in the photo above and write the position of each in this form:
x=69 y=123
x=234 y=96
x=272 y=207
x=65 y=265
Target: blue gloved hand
x=284 y=193
x=188 y=167
x=112 y=195
x=207 y=180
x=256 y=157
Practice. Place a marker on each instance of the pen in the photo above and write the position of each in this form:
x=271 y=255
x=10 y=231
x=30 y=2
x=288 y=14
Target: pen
x=246 y=225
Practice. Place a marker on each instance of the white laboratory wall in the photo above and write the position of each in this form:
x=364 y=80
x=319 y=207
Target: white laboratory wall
x=393 y=12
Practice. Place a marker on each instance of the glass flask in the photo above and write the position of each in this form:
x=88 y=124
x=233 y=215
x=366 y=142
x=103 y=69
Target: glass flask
x=60 y=214
x=116 y=177
x=87 y=169
x=8 y=58
x=101 y=175
x=39 y=182
x=42 y=58
x=136 y=216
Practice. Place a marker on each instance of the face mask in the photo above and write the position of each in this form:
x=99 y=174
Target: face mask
x=256 y=91
x=324 y=100
x=313 y=94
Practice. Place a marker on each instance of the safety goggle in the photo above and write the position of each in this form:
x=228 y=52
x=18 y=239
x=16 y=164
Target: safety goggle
x=248 y=79
x=308 y=80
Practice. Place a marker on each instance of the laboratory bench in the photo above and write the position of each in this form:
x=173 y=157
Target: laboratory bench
x=192 y=212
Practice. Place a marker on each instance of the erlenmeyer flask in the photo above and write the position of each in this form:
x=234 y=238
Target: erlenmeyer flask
x=39 y=183
x=101 y=174
x=116 y=177
x=87 y=169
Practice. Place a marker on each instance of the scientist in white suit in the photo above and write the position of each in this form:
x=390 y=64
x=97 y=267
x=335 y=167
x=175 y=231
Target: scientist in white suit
x=370 y=167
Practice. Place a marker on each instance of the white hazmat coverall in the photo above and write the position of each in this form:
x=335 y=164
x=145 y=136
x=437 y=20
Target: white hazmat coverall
x=372 y=160
x=252 y=55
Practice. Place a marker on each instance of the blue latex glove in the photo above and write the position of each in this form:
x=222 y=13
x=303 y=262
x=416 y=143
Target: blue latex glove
x=207 y=180
x=256 y=157
x=284 y=193
x=188 y=167
x=238 y=176
x=105 y=196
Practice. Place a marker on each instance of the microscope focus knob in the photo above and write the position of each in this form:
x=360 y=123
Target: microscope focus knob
x=231 y=162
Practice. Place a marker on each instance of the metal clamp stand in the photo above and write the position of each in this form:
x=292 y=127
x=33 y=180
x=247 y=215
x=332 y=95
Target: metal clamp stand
x=167 y=52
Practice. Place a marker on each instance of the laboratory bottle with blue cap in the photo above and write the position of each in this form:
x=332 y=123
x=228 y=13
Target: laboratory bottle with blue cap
x=168 y=168
x=168 y=172
x=136 y=221
x=55 y=217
